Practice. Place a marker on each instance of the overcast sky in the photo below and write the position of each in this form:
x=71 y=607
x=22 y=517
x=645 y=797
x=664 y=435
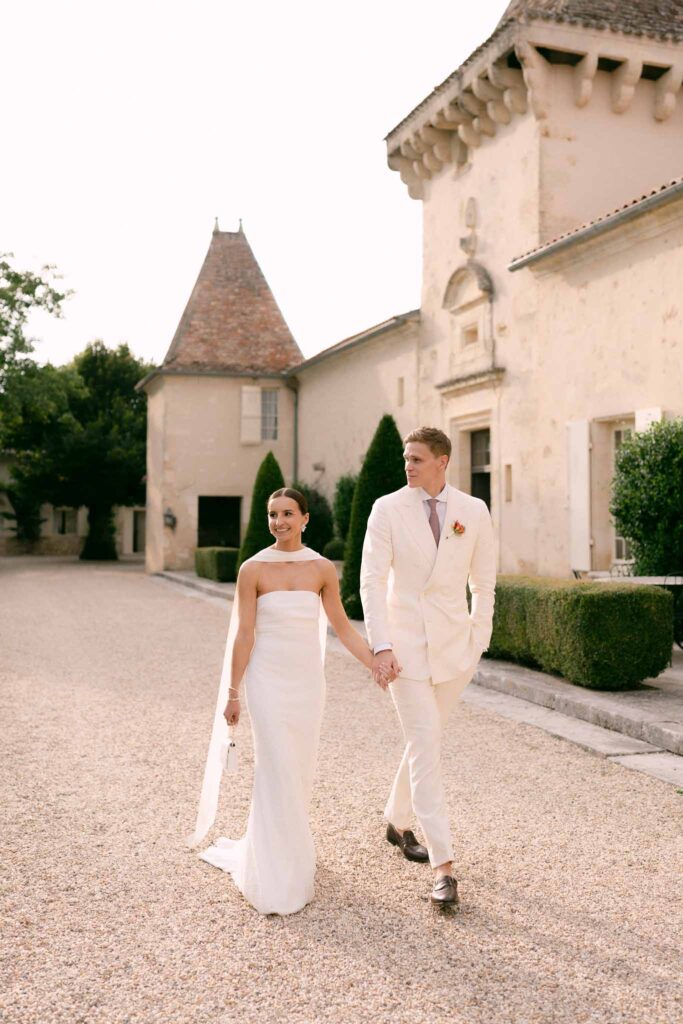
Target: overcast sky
x=128 y=127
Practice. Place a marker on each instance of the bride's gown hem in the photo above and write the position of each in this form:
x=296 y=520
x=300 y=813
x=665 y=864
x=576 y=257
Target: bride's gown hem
x=273 y=864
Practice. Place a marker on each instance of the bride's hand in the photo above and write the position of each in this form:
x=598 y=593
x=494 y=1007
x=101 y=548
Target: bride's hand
x=232 y=712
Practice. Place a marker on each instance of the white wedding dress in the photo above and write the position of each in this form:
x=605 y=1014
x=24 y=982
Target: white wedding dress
x=273 y=864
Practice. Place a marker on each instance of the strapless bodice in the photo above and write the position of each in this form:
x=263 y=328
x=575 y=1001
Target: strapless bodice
x=287 y=611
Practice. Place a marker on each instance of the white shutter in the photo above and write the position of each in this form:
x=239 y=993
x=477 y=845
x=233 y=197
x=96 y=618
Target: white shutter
x=646 y=417
x=579 y=487
x=251 y=415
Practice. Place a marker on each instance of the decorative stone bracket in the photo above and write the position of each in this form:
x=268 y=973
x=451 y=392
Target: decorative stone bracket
x=475 y=103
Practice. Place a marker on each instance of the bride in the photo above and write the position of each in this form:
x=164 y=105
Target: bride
x=274 y=657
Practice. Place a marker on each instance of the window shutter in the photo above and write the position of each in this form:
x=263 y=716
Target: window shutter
x=579 y=487
x=251 y=415
x=646 y=417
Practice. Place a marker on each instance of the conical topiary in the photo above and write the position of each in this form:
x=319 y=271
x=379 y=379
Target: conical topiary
x=382 y=472
x=268 y=479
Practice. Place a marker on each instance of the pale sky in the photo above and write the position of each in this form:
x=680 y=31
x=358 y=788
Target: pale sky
x=129 y=126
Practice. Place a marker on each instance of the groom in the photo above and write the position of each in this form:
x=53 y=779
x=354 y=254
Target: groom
x=423 y=544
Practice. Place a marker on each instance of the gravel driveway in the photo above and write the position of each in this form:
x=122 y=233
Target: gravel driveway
x=569 y=866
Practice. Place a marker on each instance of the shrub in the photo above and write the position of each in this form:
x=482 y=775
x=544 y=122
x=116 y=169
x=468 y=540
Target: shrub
x=257 y=537
x=334 y=549
x=217 y=563
x=342 y=502
x=382 y=472
x=319 y=530
x=605 y=636
x=647 y=497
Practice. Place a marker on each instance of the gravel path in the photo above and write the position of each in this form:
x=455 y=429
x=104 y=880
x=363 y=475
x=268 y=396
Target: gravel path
x=570 y=866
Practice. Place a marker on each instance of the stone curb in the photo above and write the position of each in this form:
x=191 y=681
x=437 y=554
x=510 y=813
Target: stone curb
x=606 y=710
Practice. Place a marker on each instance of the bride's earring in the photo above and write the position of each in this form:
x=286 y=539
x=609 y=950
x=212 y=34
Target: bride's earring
x=303 y=528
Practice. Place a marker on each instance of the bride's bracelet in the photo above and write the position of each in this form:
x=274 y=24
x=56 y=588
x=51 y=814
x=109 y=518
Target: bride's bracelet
x=232 y=690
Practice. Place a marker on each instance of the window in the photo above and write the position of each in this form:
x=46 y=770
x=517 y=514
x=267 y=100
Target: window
x=64 y=520
x=622 y=548
x=269 y=414
x=480 y=464
x=401 y=390
x=508 y=481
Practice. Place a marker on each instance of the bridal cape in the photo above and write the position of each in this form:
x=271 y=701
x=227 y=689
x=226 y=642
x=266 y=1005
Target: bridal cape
x=273 y=864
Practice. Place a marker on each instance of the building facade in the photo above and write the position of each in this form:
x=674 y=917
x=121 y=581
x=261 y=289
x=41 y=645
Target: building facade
x=550 y=325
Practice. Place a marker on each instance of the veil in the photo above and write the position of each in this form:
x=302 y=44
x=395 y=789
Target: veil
x=208 y=799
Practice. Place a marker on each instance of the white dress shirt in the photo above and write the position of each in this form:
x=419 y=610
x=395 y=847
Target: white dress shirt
x=441 y=499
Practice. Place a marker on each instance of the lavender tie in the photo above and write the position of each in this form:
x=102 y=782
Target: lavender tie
x=434 y=520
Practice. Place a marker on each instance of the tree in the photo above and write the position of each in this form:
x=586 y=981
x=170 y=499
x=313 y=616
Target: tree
x=320 y=529
x=342 y=503
x=268 y=479
x=647 y=497
x=92 y=449
x=22 y=292
x=381 y=473
x=34 y=409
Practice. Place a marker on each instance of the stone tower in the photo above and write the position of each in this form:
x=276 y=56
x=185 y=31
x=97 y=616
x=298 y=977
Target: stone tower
x=219 y=401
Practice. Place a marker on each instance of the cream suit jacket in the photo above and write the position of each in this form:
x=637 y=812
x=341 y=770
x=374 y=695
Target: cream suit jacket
x=414 y=595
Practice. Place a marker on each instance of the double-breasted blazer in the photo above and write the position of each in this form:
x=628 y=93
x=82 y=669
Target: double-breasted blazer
x=414 y=594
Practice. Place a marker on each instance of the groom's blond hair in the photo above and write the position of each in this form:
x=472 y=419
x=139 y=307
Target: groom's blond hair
x=435 y=439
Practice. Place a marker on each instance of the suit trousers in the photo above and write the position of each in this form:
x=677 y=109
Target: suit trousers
x=423 y=708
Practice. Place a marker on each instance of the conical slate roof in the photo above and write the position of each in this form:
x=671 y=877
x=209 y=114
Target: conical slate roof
x=654 y=18
x=232 y=322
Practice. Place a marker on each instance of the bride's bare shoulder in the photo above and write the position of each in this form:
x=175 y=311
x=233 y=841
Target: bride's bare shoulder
x=248 y=574
x=327 y=568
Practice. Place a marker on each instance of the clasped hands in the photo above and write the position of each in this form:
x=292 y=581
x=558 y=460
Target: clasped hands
x=385 y=668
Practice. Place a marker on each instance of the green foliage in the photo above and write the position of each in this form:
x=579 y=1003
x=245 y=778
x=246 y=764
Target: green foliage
x=22 y=292
x=217 y=563
x=26 y=519
x=605 y=636
x=320 y=529
x=257 y=537
x=78 y=435
x=334 y=549
x=647 y=497
x=382 y=472
x=342 y=503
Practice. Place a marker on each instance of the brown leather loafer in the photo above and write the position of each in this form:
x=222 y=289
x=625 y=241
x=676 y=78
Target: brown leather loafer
x=407 y=844
x=445 y=892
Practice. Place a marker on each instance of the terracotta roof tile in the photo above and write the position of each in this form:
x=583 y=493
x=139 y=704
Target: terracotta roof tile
x=232 y=322
x=657 y=196
x=654 y=18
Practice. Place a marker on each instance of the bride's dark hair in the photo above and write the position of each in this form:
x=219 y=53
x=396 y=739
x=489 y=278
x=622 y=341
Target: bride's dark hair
x=290 y=492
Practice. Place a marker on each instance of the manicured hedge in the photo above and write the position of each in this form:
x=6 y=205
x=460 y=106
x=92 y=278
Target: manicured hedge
x=605 y=636
x=334 y=549
x=217 y=563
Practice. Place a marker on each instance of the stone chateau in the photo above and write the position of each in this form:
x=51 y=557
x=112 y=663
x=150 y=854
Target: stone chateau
x=549 y=169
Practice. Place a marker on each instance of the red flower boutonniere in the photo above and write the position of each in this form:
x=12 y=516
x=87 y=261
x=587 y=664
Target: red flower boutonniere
x=457 y=528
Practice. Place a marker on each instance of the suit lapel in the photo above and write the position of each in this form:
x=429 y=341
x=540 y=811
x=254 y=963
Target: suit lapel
x=418 y=525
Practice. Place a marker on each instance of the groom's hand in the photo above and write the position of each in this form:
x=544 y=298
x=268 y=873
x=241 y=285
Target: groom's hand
x=385 y=668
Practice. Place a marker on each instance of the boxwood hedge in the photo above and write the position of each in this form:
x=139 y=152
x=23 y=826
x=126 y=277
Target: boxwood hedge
x=217 y=563
x=605 y=636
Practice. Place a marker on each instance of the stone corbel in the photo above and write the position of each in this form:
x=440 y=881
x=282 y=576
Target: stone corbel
x=484 y=125
x=498 y=112
x=449 y=118
x=535 y=71
x=431 y=161
x=439 y=140
x=624 y=81
x=584 y=73
x=469 y=135
x=408 y=176
x=511 y=81
x=483 y=90
x=421 y=170
x=666 y=89
x=408 y=151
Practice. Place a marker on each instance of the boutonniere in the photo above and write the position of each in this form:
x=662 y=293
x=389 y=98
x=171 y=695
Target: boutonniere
x=457 y=528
